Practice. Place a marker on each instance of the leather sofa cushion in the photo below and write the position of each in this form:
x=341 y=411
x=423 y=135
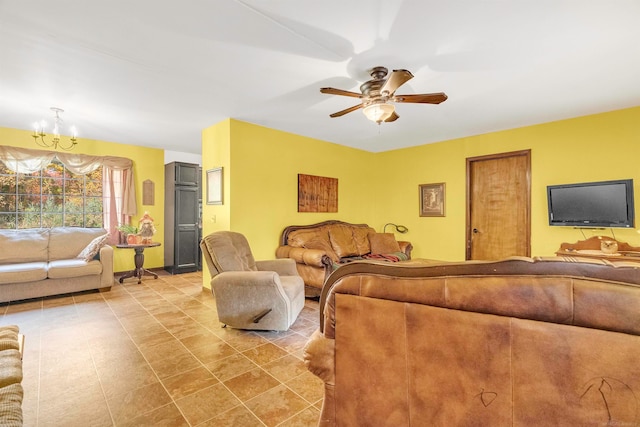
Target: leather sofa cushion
x=23 y=272
x=383 y=243
x=28 y=245
x=342 y=241
x=313 y=239
x=348 y=240
x=68 y=242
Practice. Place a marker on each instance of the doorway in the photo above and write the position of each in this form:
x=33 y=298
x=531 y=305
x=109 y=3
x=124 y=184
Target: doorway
x=498 y=206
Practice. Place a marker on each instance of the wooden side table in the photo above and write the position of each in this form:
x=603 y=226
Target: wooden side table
x=138 y=259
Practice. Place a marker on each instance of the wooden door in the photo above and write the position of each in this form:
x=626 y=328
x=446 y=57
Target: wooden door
x=498 y=206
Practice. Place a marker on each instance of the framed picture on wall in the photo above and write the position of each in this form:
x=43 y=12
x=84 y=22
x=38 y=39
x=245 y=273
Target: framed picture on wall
x=214 y=186
x=432 y=197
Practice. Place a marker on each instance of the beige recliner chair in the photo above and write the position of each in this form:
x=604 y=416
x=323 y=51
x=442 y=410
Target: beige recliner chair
x=258 y=295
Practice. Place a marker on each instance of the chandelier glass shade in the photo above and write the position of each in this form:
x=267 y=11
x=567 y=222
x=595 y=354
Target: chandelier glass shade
x=56 y=141
x=379 y=111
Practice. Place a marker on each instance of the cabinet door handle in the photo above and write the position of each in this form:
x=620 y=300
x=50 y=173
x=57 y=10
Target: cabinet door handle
x=475 y=231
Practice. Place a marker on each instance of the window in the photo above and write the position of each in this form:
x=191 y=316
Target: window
x=50 y=197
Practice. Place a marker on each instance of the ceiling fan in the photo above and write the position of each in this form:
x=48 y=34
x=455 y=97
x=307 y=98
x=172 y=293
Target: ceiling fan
x=378 y=95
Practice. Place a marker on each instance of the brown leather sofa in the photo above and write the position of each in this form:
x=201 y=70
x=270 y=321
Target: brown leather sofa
x=320 y=248
x=518 y=342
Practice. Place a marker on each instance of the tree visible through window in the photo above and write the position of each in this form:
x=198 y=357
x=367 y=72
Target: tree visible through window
x=51 y=197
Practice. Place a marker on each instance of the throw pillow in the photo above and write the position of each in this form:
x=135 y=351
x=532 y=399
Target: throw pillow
x=92 y=249
x=383 y=243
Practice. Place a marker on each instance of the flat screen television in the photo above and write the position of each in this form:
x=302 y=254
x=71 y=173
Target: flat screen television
x=592 y=204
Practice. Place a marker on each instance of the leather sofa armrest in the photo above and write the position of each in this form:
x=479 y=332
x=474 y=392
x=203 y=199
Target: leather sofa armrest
x=406 y=247
x=313 y=257
x=282 y=266
x=319 y=357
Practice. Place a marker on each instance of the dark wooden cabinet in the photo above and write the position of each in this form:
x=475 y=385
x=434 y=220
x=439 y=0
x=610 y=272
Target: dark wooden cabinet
x=182 y=217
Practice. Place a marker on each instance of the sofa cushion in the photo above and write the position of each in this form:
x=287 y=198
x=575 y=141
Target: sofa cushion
x=312 y=239
x=361 y=239
x=341 y=237
x=350 y=240
x=92 y=249
x=23 y=272
x=75 y=267
x=68 y=242
x=27 y=245
x=383 y=243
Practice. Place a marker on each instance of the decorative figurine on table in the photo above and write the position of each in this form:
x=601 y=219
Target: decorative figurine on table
x=147 y=230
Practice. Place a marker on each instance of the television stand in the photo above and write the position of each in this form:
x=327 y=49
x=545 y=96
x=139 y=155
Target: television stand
x=590 y=248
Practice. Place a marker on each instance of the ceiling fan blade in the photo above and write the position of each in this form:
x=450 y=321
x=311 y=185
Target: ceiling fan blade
x=345 y=111
x=393 y=117
x=334 y=91
x=426 y=98
x=396 y=79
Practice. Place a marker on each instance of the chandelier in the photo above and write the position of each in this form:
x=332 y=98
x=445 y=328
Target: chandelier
x=56 y=140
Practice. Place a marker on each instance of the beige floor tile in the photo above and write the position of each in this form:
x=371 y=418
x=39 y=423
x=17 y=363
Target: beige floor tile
x=238 y=416
x=207 y=403
x=155 y=354
x=166 y=416
x=307 y=418
x=308 y=386
x=276 y=405
x=250 y=384
x=264 y=354
x=231 y=366
x=189 y=382
x=132 y=404
x=285 y=368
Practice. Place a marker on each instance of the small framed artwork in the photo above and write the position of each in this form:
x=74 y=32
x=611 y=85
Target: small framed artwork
x=214 y=186
x=432 y=197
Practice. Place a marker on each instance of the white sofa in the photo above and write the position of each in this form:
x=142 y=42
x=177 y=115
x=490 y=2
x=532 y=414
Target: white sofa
x=40 y=262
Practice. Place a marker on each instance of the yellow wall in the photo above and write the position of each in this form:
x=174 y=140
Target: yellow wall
x=148 y=164
x=591 y=148
x=261 y=167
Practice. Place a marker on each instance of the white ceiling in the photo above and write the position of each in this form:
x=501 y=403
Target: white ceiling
x=157 y=72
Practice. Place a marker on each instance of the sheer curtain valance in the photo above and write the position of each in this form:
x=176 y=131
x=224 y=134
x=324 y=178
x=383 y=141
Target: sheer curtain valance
x=118 y=184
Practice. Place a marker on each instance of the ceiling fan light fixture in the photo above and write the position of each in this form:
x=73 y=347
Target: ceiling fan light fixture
x=379 y=112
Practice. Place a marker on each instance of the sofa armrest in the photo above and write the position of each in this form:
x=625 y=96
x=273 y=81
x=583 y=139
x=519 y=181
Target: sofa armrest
x=246 y=278
x=406 y=247
x=106 y=259
x=313 y=257
x=282 y=266
x=319 y=357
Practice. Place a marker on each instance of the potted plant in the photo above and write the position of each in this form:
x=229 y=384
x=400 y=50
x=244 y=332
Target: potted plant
x=129 y=233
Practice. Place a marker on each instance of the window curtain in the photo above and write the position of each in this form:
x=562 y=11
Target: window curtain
x=118 y=187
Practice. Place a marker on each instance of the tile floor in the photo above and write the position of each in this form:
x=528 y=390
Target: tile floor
x=155 y=354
